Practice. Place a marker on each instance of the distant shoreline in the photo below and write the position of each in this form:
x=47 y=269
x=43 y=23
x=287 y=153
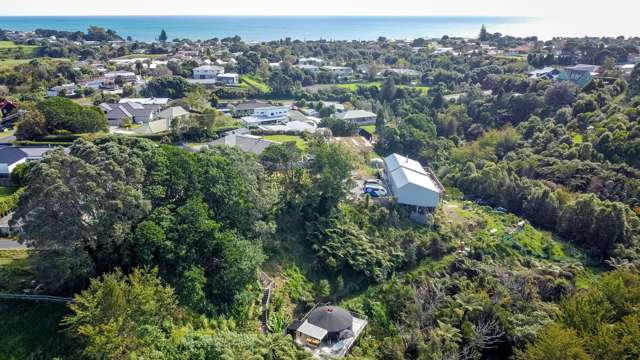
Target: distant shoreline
x=256 y=28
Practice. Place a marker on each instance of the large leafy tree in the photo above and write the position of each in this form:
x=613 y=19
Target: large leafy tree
x=173 y=87
x=125 y=316
x=63 y=114
x=80 y=208
x=125 y=202
x=556 y=342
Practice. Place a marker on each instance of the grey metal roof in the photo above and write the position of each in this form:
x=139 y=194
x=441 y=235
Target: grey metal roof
x=248 y=143
x=250 y=105
x=403 y=171
x=355 y=114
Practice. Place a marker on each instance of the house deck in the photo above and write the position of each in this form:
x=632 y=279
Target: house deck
x=341 y=348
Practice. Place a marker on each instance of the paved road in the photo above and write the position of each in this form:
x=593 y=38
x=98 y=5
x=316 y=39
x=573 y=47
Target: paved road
x=6 y=244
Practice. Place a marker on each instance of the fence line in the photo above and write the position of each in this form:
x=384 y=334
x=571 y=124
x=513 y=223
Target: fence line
x=47 y=298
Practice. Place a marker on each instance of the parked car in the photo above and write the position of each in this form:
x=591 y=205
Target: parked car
x=373 y=186
x=375 y=190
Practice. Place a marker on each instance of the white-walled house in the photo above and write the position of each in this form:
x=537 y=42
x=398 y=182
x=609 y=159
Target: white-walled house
x=341 y=71
x=411 y=185
x=311 y=61
x=207 y=72
x=10 y=157
x=66 y=89
x=358 y=117
x=267 y=115
x=229 y=78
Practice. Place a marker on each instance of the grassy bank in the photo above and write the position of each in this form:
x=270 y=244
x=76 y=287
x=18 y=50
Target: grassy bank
x=287 y=138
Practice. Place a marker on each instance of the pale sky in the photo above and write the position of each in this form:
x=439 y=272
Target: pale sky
x=607 y=11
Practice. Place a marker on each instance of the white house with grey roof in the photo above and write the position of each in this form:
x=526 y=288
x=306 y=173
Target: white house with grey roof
x=246 y=142
x=10 y=157
x=340 y=71
x=311 y=61
x=358 y=117
x=411 y=185
x=207 y=71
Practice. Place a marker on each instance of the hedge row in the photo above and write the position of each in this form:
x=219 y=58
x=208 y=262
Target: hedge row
x=8 y=203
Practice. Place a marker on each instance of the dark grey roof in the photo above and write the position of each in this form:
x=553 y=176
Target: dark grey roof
x=331 y=318
x=11 y=155
x=130 y=109
x=251 y=105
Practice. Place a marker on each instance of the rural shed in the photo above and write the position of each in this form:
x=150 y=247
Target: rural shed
x=410 y=183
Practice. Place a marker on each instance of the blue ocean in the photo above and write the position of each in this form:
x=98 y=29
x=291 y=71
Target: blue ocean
x=263 y=28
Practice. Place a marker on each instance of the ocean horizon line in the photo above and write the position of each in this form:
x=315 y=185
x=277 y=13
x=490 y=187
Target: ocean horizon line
x=280 y=16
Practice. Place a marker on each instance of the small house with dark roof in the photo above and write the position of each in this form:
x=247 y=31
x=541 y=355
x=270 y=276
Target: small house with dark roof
x=10 y=157
x=327 y=331
x=138 y=113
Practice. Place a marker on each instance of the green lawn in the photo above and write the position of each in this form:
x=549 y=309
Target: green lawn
x=354 y=86
x=8 y=49
x=286 y=138
x=6 y=191
x=370 y=128
x=9 y=64
x=423 y=89
x=12 y=45
x=250 y=81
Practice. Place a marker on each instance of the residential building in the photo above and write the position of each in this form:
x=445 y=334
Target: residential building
x=327 y=331
x=247 y=108
x=267 y=115
x=7 y=107
x=138 y=113
x=626 y=69
x=173 y=112
x=228 y=79
x=547 y=72
x=127 y=76
x=443 y=50
x=581 y=75
x=291 y=126
x=66 y=90
x=358 y=117
x=593 y=70
x=405 y=72
x=412 y=185
x=147 y=101
x=10 y=157
x=308 y=67
x=154 y=127
x=336 y=105
x=246 y=142
x=340 y=71
x=207 y=72
x=311 y=61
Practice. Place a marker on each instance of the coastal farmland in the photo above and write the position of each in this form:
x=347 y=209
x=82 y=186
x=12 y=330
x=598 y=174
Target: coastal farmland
x=9 y=50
